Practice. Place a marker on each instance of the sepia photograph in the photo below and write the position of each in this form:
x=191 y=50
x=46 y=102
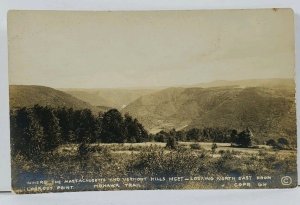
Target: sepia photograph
x=143 y=100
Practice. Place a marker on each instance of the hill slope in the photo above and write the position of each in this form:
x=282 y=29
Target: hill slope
x=109 y=97
x=267 y=111
x=29 y=95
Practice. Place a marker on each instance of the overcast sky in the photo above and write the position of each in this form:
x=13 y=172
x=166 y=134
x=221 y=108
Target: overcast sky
x=133 y=49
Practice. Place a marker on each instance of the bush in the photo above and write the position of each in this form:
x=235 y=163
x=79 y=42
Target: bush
x=195 y=146
x=244 y=138
x=283 y=143
x=83 y=150
x=156 y=161
x=171 y=143
x=214 y=146
x=227 y=155
x=221 y=152
x=271 y=142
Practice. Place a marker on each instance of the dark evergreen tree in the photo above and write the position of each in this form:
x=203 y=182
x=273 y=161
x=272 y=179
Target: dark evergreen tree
x=65 y=122
x=233 y=136
x=98 y=127
x=50 y=123
x=244 y=138
x=71 y=137
x=88 y=126
x=180 y=136
x=132 y=131
x=27 y=138
x=193 y=135
x=135 y=132
x=113 y=127
x=161 y=136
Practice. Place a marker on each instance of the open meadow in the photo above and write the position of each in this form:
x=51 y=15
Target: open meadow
x=197 y=163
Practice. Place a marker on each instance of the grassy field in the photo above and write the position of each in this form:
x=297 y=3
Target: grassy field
x=153 y=159
x=128 y=148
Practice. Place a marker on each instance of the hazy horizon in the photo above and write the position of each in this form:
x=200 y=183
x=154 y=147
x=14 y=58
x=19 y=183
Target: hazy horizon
x=142 y=49
x=156 y=87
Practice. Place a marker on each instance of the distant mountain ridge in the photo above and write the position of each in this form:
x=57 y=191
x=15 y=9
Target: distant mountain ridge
x=268 y=110
x=121 y=97
x=108 y=97
x=29 y=95
x=273 y=82
x=266 y=106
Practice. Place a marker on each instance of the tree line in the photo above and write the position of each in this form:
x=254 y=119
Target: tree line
x=221 y=135
x=41 y=129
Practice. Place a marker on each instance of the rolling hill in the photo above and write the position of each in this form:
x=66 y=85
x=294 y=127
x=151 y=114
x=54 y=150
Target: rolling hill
x=108 y=97
x=267 y=107
x=29 y=95
x=121 y=97
x=268 y=111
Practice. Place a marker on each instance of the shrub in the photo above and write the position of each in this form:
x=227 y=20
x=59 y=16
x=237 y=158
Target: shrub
x=214 y=146
x=221 y=152
x=227 y=155
x=271 y=142
x=244 y=138
x=171 y=143
x=283 y=143
x=83 y=150
x=156 y=161
x=195 y=146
